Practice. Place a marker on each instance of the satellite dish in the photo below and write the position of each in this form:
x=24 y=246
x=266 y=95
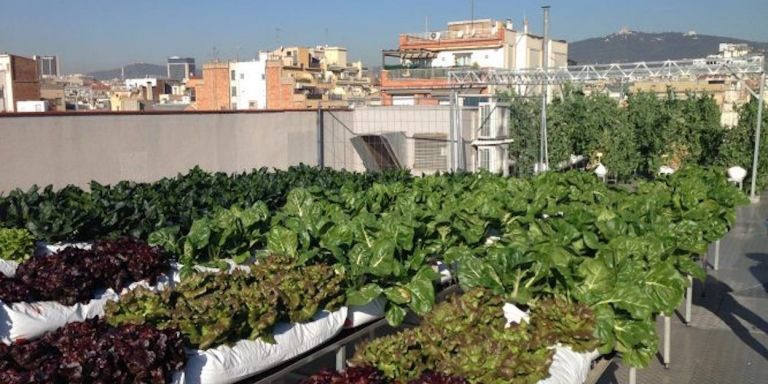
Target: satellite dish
x=601 y=171
x=737 y=174
x=665 y=170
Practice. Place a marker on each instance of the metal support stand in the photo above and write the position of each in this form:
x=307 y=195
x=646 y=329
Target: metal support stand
x=753 y=192
x=716 y=262
x=667 y=334
x=341 y=358
x=688 y=301
x=320 y=138
x=633 y=376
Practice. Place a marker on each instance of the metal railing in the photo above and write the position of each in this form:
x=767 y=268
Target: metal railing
x=477 y=33
x=421 y=73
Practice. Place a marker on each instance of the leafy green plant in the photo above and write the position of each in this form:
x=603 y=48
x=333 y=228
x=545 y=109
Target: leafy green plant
x=468 y=337
x=211 y=309
x=16 y=244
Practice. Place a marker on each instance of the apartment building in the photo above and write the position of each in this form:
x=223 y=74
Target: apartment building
x=423 y=60
x=248 y=83
x=351 y=79
x=212 y=92
x=296 y=80
x=19 y=81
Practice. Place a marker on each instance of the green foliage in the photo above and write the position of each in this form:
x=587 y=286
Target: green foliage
x=739 y=144
x=468 y=337
x=16 y=244
x=638 y=136
x=139 y=209
x=211 y=309
x=625 y=254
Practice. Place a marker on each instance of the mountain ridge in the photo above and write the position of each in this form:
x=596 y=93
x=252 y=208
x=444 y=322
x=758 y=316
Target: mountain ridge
x=630 y=46
x=132 y=71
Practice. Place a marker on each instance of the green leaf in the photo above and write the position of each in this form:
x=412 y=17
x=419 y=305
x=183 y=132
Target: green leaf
x=382 y=261
x=398 y=294
x=423 y=294
x=282 y=241
x=364 y=295
x=395 y=315
x=591 y=240
x=474 y=272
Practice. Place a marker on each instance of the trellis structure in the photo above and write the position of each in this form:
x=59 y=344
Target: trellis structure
x=741 y=68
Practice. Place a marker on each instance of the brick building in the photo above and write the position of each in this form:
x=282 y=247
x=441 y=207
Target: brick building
x=19 y=81
x=212 y=92
x=296 y=79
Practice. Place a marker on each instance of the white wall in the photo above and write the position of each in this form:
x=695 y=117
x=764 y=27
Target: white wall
x=250 y=83
x=485 y=58
x=6 y=85
x=137 y=83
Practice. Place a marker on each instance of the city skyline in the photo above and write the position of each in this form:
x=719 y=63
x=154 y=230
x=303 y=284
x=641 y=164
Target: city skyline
x=98 y=35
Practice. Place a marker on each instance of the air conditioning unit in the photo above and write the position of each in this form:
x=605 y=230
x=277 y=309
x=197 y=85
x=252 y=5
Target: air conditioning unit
x=434 y=35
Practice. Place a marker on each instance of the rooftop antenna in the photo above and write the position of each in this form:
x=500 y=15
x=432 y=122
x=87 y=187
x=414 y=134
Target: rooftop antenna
x=277 y=36
x=426 y=25
x=238 y=53
x=326 y=36
x=215 y=54
x=472 y=22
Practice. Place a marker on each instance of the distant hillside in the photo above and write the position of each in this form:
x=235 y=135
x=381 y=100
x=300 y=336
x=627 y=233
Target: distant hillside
x=132 y=71
x=629 y=46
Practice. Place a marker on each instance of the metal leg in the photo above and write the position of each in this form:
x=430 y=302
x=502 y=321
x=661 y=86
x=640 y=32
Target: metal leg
x=341 y=358
x=688 y=301
x=633 y=376
x=716 y=264
x=667 y=332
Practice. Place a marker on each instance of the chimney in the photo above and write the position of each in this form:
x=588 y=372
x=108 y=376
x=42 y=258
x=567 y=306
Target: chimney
x=525 y=26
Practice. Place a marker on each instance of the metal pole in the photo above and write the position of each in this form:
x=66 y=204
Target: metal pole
x=688 y=301
x=545 y=90
x=753 y=193
x=320 y=138
x=452 y=130
x=667 y=331
x=716 y=265
x=341 y=358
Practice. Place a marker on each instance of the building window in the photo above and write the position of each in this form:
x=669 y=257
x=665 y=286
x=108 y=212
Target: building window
x=263 y=76
x=242 y=76
x=234 y=91
x=485 y=120
x=463 y=59
x=484 y=159
x=232 y=75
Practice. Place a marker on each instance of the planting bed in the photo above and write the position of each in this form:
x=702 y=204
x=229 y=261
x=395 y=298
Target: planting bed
x=593 y=265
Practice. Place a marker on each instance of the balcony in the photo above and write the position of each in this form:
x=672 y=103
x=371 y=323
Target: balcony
x=477 y=37
x=419 y=73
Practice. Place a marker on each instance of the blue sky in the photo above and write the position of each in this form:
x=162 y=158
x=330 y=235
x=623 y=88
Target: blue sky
x=90 y=35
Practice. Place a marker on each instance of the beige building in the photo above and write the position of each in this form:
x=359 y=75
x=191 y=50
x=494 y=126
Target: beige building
x=423 y=61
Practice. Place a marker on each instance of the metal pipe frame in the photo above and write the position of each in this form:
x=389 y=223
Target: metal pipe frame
x=668 y=70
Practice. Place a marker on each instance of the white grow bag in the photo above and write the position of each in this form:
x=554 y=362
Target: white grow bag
x=31 y=320
x=568 y=367
x=230 y=364
x=25 y=321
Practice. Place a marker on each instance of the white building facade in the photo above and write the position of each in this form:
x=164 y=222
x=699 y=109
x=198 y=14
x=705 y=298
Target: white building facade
x=6 y=84
x=248 y=82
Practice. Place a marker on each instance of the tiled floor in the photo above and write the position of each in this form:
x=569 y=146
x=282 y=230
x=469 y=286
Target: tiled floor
x=727 y=341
